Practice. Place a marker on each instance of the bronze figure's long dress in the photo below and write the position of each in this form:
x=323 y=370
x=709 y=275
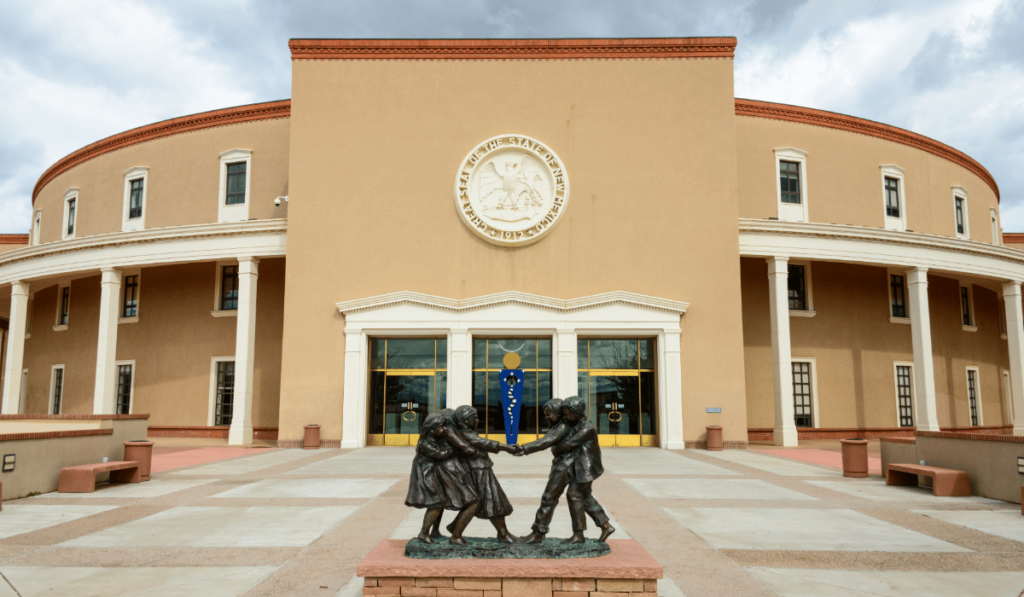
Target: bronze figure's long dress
x=474 y=450
x=439 y=479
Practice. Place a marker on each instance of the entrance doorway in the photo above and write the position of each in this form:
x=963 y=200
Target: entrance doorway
x=618 y=379
x=408 y=382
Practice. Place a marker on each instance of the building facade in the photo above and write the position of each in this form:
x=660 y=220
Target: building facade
x=367 y=252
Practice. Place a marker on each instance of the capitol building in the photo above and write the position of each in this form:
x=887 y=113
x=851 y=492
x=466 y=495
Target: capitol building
x=368 y=251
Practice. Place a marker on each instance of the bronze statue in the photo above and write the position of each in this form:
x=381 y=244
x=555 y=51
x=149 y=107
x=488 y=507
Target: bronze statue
x=440 y=481
x=473 y=449
x=576 y=466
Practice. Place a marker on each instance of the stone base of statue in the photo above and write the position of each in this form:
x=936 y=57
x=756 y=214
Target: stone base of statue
x=627 y=569
x=553 y=549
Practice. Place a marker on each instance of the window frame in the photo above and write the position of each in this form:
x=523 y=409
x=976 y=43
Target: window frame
x=896 y=390
x=238 y=212
x=125 y=274
x=53 y=386
x=889 y=273
x=898 y=174
x=136 y=173
x=997 y=237
x=62 y=319
x=960 y=194
x=815 y=411
x=973 y=326
x=70 y=218
x=37 y=228
x=211 y=416
x=808 y=289
x=977 y=395
x=790 y=212
x=131 y=387
x=218 y=284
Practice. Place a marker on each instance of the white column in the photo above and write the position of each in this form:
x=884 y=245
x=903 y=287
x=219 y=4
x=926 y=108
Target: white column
x=782 y=356
x=240 y=433
x=670 y=407
x=566 y=365
x=460 y=374
x=1015 y=340
x=104 y=397
x=15 y=348
x=353 y=407
x=925 y=414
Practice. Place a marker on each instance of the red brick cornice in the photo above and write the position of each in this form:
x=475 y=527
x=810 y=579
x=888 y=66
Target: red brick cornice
x=13 y=239
x=832 y=120
x=1015 y=238
x=72 y=417
x=512 y=49
x=165 y=128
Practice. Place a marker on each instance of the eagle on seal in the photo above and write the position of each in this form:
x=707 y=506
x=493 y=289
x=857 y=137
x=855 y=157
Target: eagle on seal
x=518 y=188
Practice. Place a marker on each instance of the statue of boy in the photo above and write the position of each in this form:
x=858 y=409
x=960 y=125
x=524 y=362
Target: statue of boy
x=562 y=475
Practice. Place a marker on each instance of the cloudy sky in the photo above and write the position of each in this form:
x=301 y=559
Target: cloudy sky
x=73 y=72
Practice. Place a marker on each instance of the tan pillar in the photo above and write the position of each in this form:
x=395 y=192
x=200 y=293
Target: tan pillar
x=1015 y=341
x=782 y=356
x=925 y=413
x=15 y=360
x=240 y=433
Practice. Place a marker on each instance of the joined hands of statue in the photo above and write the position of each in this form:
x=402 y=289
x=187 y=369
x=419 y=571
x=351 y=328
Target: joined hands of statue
x=510 y=448
x=520 y=451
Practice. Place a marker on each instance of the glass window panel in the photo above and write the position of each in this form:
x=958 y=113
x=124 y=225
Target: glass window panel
x=526 y=348
x=543 y=396
x=377 y=382
x=480 y=396
x=410 y=353
x=583 y=384
x=647 y=353
x=528 y=414
x=407 y=402
x=613 y=354
x=617 y=401
x=495 y=420
x=442 y=353
x=544 y=353
x=377 y=353
x=440 y=391
x=797 y=288
x=648 y=404
x=479 y=354
x=582 y=354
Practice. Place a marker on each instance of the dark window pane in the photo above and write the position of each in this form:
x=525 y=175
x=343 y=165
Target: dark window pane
x=479 y=353
x=789 y=182
x=802 y=400
x=648 y=404
x=376 y=414
x=959 y=215
x=71 y=216
x=647 y=353
x=442 y=353
x=377 y=353
x=130 y=304
x=229 y=288
x=972 y=395
x=904 y=394
x=613 y=354
x=543 y=396
x=526 y=348
x=495 y=418
x=124 y=389
x=480 y=396
x=225 y=393
x=135 y=200
x=899 y=303
x=528 y=415
x=544 y=353
x=58 y=390
x=236 y=184
x=582 y=354
x=410 y=353
x=797 y=288
x=965 y=305
x=892 y=197
x=65 y=305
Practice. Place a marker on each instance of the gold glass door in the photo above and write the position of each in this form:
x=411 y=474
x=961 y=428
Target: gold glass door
x=408 y=380
x=618 y=379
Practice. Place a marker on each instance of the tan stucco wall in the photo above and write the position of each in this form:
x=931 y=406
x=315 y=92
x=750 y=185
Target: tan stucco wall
x=844 y=182
x=172 y=344
x=183 y=180
x=855 y=345
x=375 y=149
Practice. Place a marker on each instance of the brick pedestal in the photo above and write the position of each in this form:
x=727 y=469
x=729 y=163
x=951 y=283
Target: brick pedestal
x=628 y=571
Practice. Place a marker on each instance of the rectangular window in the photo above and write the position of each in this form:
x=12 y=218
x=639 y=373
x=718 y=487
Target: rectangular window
x=58 y=389
x=135 y=199
x=797 y=288
x=972 y=396
x=898 y=287
x=236 y=184
x=965 y=306
x=124 y=389
x=65 y=305
x=961 y=224
x=225 y=393
x=535 y=361
x=905 y=395
x=130 y=304
x=71 y=216
x=892 y=197
x=789 y=181
x=802 y=399
x=229 y=288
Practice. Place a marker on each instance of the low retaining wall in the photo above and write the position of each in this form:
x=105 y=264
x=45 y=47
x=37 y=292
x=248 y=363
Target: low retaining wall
x=207 y=432
x=40 y=455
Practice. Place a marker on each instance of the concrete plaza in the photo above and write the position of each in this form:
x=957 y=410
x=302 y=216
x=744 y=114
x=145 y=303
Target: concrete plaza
x=295 y=522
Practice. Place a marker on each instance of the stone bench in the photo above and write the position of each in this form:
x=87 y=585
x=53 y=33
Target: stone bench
x=82 y=478
x=945 y=482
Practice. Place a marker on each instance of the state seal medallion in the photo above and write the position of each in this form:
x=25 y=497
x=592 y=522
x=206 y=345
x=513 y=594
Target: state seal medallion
x=511 y=190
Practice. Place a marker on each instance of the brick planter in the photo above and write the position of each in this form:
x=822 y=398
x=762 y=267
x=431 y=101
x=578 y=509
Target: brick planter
x=141 y=452
x=628 y=571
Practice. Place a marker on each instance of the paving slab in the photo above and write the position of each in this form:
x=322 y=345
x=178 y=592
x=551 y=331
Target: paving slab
x=803 y=529
x=310 y=488
x=655 y=461
x=248 y=464
x=151 y=488
x=203 y=526
x=396 y=461
x=16 y=519
x=714 y=489
x=1008 y=524
x=771 y=464
x=878 y=491
x=790 y=582
x=519 y=523
x=39 y=581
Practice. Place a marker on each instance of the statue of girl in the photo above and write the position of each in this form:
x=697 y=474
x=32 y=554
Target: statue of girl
x=439 y=481
x=473 y=449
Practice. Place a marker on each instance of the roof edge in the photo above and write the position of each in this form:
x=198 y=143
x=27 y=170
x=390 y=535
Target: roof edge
x=513 y=49
x=843 y=122
x=164 y=128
